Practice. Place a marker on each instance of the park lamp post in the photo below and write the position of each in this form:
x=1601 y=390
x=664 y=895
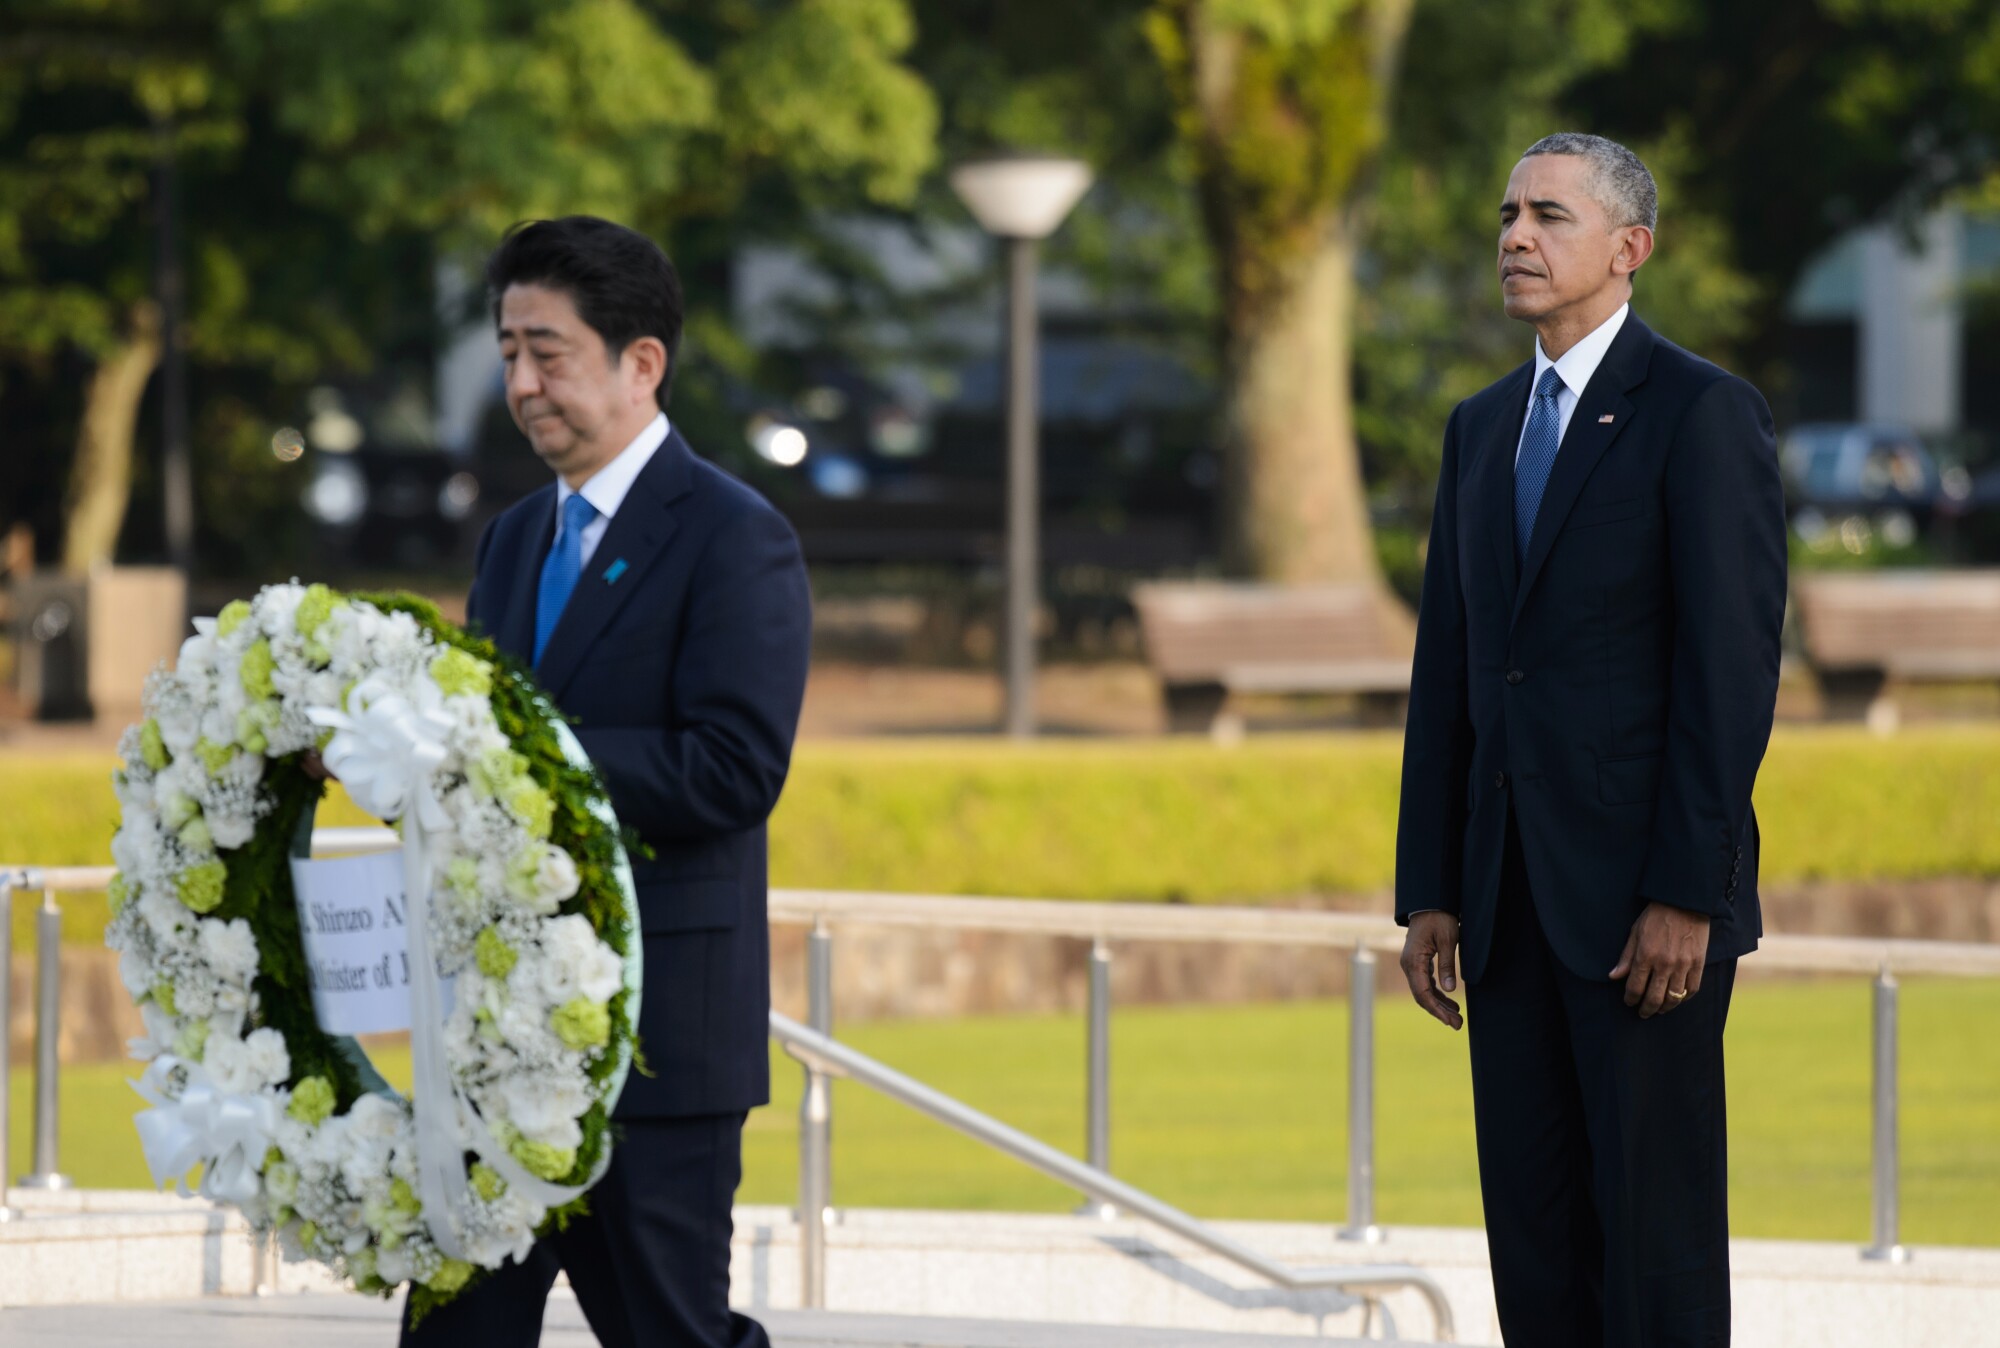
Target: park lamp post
x=1021 y=199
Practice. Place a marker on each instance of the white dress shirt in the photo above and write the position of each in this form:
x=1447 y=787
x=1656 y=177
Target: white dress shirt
x=1575 y=368
x=607 y=486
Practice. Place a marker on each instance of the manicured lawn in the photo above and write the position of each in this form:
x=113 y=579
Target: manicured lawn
x=1178 y=820
x=1240 y=1112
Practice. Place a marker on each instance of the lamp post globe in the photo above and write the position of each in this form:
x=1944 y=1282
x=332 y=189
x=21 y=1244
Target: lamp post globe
x=1021 y=199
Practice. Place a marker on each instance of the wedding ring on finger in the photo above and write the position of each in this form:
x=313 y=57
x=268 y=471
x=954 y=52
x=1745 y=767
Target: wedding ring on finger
x=1678 y=994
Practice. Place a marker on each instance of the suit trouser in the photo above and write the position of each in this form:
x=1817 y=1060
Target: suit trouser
x=649 y=1262
x=1602 y=1147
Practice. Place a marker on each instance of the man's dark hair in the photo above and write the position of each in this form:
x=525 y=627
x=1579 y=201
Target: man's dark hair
x=621 y=283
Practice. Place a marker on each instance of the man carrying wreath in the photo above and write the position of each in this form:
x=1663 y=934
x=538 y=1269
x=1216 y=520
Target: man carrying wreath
x=664 y=607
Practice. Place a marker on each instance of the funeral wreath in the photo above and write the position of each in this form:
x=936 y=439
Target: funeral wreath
x=521 y=968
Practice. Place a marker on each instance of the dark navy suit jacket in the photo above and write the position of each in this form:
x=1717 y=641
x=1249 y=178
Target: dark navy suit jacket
x=683 y=672
x=1615 y=685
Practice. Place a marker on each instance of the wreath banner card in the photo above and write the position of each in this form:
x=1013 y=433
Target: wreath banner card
x=517 y=909
x=352 y=920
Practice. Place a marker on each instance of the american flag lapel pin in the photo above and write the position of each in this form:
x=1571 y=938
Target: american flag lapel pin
x=614 y=571
x=1606 y=419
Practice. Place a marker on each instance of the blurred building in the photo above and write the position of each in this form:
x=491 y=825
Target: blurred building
x=1898 y=326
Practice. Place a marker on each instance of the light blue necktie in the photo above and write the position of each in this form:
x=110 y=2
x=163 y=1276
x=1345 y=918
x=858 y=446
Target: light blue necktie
x=561 y=568
x=1537 y=458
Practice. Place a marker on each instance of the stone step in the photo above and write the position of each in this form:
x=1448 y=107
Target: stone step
x=333 y=1320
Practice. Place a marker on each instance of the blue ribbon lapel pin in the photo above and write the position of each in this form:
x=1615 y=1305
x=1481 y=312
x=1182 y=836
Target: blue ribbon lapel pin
x=614 y=571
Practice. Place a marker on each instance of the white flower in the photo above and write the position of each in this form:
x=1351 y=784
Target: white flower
x=230 y=948
x=574 y=961
x=267 y=1056
x=161 y=1031
x=231 y=829
x=545 y=1108
x=556 y=878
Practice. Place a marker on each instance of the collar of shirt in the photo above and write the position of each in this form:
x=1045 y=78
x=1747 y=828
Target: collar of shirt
x=1580 y=362
x=608 y=486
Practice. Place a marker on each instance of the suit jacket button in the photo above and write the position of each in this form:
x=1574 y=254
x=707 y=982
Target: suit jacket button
x=1515 y=676
x=1499 y=781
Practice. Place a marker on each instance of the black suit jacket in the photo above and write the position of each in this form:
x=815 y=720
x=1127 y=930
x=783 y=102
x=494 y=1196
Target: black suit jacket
x=1615 y=686
x=683 y=671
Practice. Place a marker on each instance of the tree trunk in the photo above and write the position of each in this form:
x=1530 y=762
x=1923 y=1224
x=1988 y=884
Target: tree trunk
x=1296 y=507
x=100 y=484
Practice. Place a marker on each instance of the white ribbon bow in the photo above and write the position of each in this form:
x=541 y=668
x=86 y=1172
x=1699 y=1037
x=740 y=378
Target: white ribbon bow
x=228 y=1135
x=387 y=747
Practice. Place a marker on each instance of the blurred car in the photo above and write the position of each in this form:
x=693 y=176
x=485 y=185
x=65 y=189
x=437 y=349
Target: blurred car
x=1864 y=482
x=381 y=491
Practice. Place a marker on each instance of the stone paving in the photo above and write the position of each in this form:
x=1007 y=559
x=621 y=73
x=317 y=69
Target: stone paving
x=339 y=1321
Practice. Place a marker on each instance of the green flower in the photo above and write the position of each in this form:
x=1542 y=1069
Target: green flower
x=582 y=1023
x=361 y=1268
x=177 y=809
x=318 y=605
x=496 y=959
x=163 y=997
x=493 y=773
x=215 y=757
x=534 y=807
x=118 y=892
x=488 y=1031
x=486 y=1182
x=461 y=673
x=281 y=1180
x=403 y=1198
x=462 y=877
x=192 y=1041
x=201 y=886
x=153 y=749
x=255 y=723
x=234 y=614
x=255 y=670
x=542 y=1160
x=195 y=836
x=312 y=1101
x=451 y=1275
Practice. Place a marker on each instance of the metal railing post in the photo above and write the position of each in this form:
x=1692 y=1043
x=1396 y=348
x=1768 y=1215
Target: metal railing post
x=48 y=1028
x=819 y=1014
x=7 y=1214
x=1097 y=1087
x=1887 y=1247
x=814 y=1180
x=1361 y=1099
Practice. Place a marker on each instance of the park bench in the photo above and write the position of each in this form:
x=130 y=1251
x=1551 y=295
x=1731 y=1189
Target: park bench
x=1210 y=639
x=1864 y=630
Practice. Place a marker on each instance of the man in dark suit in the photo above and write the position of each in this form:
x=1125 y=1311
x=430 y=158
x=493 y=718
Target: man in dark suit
x=1596 y=669
x=664 y=606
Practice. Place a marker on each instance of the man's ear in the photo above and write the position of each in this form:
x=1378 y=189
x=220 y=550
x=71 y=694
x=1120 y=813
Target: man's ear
x=649 y=365
x=1633 y=250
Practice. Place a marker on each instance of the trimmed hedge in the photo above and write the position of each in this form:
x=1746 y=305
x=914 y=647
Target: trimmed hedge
x=1187 y=821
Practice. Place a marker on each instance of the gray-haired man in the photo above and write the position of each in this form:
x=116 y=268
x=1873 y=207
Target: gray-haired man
x=1596 y=669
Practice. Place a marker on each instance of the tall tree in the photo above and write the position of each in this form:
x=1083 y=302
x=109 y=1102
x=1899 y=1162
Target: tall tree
x=1286 y=107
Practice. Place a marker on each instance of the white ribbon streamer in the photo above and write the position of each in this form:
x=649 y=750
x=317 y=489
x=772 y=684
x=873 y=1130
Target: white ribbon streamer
x=447 y=1122
x=228 y=1135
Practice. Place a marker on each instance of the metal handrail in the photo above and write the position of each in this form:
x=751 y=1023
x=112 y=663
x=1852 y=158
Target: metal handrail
x=1100 y=923
x=819 y=1054
x=1301 y=927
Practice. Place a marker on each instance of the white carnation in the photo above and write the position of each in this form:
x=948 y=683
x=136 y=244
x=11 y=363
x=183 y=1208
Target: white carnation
x=232 y=829
x=230 y=948
x=545 y=1107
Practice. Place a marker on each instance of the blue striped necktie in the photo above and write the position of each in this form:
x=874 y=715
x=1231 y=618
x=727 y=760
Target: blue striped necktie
x=1537 y=458
x=561 y=568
